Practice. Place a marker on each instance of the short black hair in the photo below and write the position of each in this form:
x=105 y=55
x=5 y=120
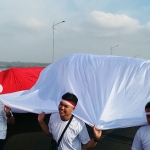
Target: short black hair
x=71 y=97
x=147 y=106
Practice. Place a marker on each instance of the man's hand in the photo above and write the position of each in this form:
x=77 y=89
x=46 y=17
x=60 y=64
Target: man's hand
x=43 y=124
x=41 y=117
x=97 y=132
x=10 y=117
x=7 y=109
x=95 y=139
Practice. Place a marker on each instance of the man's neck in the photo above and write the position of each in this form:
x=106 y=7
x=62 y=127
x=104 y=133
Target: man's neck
x=66 y=118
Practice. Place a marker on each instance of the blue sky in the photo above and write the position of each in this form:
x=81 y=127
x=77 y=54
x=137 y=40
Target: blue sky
x=91 y=26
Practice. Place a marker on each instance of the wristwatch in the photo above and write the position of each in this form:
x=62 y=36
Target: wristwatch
x=10 y=114
x=96 y=139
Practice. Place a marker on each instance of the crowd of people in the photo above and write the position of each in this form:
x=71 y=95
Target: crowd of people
x=69 y=132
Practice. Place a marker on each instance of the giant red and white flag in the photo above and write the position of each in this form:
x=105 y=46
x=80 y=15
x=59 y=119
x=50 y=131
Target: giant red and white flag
x=112 y=90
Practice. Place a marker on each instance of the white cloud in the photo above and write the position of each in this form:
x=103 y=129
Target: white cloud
x=33 y=24
x=109 y=20
x=148 y=25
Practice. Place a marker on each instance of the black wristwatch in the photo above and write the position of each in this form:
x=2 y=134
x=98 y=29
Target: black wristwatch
x=10 y=114
x=96 y=139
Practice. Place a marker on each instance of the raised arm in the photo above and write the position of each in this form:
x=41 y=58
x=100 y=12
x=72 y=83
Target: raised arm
x=9 y=115
x=95 y=139
x=42 y=123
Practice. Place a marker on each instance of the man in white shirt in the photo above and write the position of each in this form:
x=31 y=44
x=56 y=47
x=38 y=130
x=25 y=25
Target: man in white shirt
x=76 y=132
x=5 y=116
x=142 y=137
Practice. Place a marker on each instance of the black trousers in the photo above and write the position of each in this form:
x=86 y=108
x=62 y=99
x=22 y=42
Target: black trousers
x=2 y=142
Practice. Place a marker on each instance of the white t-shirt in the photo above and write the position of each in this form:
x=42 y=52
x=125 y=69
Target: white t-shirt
x=3 y=122
x=142 y=139
x=75 y=134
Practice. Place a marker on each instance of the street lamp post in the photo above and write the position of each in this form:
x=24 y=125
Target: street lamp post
x=112 y=48
x=53 y=37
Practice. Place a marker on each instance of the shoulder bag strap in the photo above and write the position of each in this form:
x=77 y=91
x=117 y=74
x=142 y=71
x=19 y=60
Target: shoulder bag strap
x=65 y=130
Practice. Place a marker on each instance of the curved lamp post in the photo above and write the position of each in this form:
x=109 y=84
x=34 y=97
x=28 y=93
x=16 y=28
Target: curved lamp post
x=53 y=37
x=112 y=48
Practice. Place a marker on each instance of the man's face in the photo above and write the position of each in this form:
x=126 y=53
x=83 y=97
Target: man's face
x=65 y=109
x=148 y=118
